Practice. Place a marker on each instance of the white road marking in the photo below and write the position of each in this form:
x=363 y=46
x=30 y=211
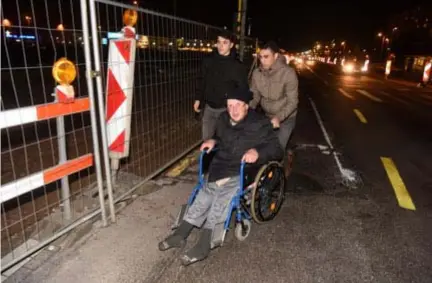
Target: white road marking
x=426 y=96
x=347 y=174
x=346 y=94
x=368 y=95
x=318 y=76
x=395 y=98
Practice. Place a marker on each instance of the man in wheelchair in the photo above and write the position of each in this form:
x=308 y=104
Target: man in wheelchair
x=241 y=135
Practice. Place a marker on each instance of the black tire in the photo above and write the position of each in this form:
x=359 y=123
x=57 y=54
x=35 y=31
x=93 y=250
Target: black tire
x=268 y=193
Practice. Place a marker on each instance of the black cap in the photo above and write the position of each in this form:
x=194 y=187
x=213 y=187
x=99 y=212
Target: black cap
x=242 y=94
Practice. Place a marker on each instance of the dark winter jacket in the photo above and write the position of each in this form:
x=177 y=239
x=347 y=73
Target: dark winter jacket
x=232 y=142
x=219 y=75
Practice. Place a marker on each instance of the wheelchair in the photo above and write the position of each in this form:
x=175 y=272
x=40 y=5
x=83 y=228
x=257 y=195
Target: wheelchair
x=260 y=197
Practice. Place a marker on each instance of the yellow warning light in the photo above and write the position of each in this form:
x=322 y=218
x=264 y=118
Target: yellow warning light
x=64 y=71
x=130 y=17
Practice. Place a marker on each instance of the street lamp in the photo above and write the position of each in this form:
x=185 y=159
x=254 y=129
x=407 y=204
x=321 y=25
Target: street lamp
x=383 y=40
x=6 y=23
x=28 y=19
x=60 y=27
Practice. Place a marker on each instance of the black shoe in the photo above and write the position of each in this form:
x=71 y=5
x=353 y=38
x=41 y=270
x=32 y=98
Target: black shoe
x=200 y=251
x=178 y=238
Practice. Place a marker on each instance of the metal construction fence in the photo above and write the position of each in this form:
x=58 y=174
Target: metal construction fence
x=73 y=146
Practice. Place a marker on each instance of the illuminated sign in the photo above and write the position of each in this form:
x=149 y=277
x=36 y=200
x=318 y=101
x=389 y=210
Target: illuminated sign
x=117 y=35
x=22 y=36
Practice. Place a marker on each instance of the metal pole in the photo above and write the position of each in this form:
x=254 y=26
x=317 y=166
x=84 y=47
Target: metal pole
x=94 y=127
x=102 y=121
x=61 y=140
x=243 y=29
x=175 y=35
x=115 y=165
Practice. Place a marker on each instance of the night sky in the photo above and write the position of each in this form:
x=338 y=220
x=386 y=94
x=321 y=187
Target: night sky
x=295 y=25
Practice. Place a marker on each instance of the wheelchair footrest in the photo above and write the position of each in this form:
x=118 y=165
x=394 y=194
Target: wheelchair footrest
x=218 y=235
x=180 y=216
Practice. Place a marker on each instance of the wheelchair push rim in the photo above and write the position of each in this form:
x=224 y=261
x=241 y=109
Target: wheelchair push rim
x=268 y=193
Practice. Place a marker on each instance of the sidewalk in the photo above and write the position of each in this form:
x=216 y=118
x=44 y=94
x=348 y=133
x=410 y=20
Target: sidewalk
x=120 y=252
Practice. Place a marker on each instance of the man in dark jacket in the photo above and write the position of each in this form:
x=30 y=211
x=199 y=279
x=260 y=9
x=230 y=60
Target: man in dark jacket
x=241 y=135
x=221 y=73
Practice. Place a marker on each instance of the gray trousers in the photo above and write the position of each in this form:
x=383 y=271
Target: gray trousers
x=285 y=130
x=212 y=204
x=210 y=117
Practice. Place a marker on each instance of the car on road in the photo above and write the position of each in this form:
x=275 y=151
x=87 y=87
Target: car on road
x=352 y=66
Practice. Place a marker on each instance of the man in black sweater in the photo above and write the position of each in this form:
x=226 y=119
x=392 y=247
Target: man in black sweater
x=241 y=135
x=221 y=73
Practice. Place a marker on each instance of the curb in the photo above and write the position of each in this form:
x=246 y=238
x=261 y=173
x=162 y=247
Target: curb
x=183 y=164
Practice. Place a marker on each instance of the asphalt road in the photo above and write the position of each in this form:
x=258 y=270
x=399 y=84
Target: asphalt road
x=329 y=232
x=375 y=227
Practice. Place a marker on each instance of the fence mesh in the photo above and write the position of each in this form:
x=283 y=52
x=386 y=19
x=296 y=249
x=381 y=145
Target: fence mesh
x=167 y=68
x=35 y=35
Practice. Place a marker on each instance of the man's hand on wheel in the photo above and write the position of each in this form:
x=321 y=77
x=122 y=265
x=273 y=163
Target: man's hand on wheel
x=251 y=156
x=196 y=106
x=209 y=145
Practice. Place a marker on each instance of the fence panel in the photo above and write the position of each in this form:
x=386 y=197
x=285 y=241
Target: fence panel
x=34 y=166
x=44 y=186
x=168 y=59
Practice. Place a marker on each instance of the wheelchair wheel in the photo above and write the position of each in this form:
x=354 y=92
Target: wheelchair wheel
x=242 y=230
x=268 y=192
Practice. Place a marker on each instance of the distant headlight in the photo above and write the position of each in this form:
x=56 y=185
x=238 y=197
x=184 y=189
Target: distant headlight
x=348 y=68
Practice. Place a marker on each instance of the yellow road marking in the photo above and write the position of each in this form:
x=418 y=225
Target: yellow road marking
x=360 y=116
x=346 y=94
x=402 y=195
x=368 y=95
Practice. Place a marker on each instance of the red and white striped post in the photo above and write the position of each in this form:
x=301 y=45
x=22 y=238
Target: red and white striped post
x=427 y=72
x=388 y=66
x=120 y=81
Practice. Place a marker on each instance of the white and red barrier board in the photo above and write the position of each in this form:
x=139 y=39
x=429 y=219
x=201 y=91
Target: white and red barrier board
x=427 y=72
x=120 y=85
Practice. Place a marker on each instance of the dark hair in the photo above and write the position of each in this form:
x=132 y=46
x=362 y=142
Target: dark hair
x=226 y=34
x=272 y=46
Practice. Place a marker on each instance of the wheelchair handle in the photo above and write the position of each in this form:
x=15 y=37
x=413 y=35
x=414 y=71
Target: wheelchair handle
x=201 y=158
x=242 y=166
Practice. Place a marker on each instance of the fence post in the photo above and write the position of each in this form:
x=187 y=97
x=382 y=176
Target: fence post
x=61 y=141
x=97 y=64
x=95 y=138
